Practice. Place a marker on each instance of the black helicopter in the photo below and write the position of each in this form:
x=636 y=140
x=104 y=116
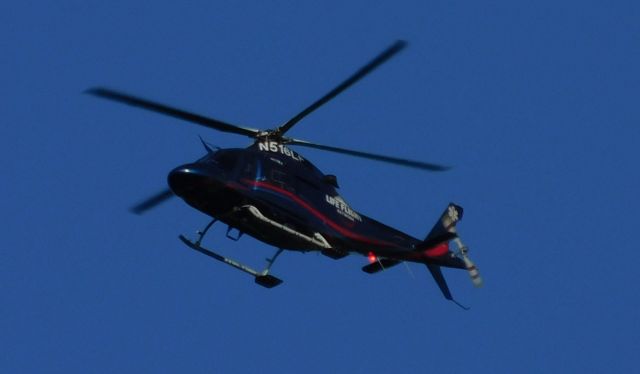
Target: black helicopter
x=277 y=196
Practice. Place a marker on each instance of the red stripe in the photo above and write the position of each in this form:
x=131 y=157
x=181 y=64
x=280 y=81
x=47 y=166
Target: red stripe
x=438 y=250
x=316 y=213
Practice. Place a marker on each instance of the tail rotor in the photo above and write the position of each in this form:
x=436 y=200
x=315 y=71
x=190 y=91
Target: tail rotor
x=463 y=252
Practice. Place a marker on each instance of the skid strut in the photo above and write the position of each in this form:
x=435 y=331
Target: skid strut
x=262 y=278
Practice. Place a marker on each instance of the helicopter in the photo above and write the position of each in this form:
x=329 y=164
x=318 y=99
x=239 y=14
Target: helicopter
x=276 y=195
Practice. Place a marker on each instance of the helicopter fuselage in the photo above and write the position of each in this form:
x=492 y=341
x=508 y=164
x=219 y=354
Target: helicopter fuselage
x=285 y=188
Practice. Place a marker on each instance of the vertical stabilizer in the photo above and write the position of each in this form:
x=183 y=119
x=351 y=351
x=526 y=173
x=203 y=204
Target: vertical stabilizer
x=436 y=272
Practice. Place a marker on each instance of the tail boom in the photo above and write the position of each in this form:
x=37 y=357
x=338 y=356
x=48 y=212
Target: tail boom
x=435 y=252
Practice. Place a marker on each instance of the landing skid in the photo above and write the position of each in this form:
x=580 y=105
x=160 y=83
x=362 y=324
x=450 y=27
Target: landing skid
x=262 y=278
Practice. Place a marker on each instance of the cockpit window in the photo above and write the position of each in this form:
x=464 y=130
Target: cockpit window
x=225 y=160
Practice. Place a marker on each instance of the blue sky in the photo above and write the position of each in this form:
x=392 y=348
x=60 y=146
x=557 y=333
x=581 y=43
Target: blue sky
x=533 y=103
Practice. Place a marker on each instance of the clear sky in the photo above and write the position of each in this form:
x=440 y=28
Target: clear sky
x=534 y=103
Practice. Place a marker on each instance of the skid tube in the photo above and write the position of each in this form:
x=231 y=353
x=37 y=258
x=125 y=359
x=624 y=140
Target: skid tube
x=262 y=278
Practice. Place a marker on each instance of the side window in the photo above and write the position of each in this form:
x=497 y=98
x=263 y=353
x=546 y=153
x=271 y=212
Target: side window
x=306 y=183
x=278 y=178
x=248 y=169
x=281 y=179
x=226 y=161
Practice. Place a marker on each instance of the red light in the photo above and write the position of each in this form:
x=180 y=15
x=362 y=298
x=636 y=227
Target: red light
x=372 y=257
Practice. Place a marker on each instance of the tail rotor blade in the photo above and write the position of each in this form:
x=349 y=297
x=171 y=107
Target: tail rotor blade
x=152 y=201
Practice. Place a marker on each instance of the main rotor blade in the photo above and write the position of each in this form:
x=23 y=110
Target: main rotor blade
x=379 y=60
x=125 y=98
x=152 y=202
x=371 y=156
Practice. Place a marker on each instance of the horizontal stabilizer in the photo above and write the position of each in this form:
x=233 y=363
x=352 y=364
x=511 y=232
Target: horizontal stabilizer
x=433 y=241
x=380 y=264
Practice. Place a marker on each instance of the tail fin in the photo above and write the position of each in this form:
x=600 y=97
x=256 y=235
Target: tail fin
x=435 y=248
x=436 y=272
x=444 y=228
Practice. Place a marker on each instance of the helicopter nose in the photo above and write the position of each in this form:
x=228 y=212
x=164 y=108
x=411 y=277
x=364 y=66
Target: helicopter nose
x=186 y=179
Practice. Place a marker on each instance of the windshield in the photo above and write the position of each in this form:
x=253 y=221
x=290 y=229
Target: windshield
x=225 y=160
